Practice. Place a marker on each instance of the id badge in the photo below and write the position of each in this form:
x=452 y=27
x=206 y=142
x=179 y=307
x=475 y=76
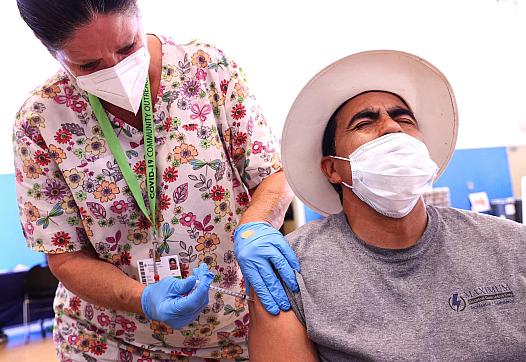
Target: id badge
x=168 y=266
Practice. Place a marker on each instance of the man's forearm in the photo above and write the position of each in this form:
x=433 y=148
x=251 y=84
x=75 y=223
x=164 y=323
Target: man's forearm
x=97 y=281
x=270 y=201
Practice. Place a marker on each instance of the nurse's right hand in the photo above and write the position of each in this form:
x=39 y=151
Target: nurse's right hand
x=167 y=301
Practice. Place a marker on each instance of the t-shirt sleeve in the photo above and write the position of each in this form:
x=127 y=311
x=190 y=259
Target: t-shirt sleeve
x=49 y=216
x=295 y=299
x=252 y=146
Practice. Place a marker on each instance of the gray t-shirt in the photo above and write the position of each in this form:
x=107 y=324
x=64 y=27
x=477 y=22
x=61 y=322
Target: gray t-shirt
x=458 y=294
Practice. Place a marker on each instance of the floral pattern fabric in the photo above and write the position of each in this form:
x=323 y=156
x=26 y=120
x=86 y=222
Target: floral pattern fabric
x=213 y=145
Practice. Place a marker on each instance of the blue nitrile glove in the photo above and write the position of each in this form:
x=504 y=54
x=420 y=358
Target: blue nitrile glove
x=166 y=301
x=258 y=248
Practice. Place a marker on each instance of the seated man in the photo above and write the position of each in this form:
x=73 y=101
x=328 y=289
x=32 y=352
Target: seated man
x=385 y=277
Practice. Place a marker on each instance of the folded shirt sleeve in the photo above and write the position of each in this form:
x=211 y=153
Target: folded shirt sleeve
x=252 y=146
x=49 y=215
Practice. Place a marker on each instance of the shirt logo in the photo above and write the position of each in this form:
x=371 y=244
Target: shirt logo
x=457 y=303
x=481 y=297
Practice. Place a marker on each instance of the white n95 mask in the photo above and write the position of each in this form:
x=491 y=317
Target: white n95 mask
x=391 y=173
x=121 y=85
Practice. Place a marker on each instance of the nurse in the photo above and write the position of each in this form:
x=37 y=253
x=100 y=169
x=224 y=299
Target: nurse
x=139 y=151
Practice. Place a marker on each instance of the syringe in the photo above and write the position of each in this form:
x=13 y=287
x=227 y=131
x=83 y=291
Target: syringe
x=229 y=292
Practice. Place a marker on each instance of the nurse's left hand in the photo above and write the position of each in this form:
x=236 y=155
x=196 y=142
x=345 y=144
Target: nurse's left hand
x=260 y=250
x=175 y=301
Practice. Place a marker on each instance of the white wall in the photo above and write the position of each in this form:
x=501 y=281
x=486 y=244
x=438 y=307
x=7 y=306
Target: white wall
x=478 y=44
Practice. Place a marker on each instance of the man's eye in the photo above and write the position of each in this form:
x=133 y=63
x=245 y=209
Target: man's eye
x=362 y=124
x=88 y=66
x=405 y=120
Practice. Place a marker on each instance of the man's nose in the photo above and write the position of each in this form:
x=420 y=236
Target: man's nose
x=388 y=125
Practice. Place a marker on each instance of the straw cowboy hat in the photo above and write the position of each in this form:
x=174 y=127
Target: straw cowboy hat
x=422 y=86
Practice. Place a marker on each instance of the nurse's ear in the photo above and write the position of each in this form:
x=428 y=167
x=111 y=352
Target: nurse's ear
x=328 y=168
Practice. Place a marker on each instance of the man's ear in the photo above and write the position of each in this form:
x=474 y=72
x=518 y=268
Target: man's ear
x=329 y=169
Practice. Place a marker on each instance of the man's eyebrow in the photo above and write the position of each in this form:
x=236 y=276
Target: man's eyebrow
x=400 y=111
x=365 y=113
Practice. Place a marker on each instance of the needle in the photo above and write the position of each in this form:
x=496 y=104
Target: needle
x=229 y=292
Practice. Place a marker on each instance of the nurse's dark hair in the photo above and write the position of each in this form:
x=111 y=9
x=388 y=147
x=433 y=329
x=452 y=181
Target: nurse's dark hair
x=54 y=21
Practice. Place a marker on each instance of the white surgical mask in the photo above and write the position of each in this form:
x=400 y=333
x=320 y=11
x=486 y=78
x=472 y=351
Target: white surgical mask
x=123 y=84
x=391 y=173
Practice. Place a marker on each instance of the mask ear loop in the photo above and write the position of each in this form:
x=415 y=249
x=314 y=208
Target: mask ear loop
x=346 y=184
x=66 y=68
x=343 y=159
x=340 y=158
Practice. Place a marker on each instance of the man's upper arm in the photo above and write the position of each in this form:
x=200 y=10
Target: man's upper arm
x=277 y=338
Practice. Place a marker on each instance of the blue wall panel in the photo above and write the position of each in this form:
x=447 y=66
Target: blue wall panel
x=477 y=170
x=13 y=249
x=311 y=215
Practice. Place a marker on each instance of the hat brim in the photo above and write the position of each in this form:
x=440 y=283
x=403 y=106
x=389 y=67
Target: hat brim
x=422 y=86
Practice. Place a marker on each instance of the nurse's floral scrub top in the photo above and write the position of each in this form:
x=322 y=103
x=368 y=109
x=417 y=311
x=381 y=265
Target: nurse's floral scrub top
x=212 y=143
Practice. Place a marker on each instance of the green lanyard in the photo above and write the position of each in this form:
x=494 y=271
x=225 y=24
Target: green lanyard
x=120 y=157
